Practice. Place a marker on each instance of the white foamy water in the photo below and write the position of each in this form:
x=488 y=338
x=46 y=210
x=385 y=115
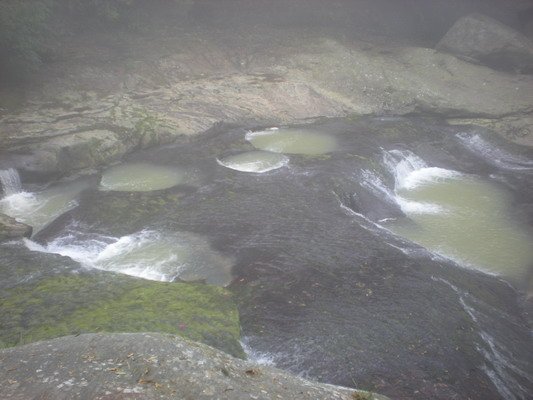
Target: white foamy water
x=255 y=356
x=254 y=161
x=141 y=177
x=40 y=208
x=10 y=181
x=292 y=141
x=409 y=172
x=146 y=254
x=495 y=155
x=457 y=216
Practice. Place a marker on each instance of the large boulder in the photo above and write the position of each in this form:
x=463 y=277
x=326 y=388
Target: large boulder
x=410 y=80
x=148 y=366
x=487 y=41
x=10 y=228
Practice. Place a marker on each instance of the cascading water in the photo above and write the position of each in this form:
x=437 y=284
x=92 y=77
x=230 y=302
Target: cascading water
x=254 y=161
x=340 y=296
x=493 y=154
x=38 y=209
x=10 y=181
x=146 y=254
x=455 y=215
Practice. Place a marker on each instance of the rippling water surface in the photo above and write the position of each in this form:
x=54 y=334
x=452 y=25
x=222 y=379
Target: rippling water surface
x=389 y=254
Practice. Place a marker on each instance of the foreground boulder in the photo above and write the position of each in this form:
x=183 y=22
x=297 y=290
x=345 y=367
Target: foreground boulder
x=485 y=40
x=147 y=366
x=10 y=228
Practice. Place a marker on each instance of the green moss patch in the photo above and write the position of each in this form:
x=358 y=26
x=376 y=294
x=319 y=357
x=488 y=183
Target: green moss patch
x=104 y=302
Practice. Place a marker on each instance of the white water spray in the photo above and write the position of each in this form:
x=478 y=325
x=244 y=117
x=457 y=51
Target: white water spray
x=494 y=155
x=146 y=254
x=10 y=181
x=454 y=215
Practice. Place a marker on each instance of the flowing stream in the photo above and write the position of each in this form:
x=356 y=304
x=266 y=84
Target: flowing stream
x=146 y=254
x=457 y=215
x=40 y=208
x=391 y=254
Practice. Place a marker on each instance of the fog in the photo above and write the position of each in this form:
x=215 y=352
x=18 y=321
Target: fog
x=340 y=189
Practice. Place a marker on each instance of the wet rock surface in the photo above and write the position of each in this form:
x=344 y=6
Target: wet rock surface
x=322 y=290
x=10 y=228
x=483 y=39
x=147 y=366
x=313 y=268
x=45 y=296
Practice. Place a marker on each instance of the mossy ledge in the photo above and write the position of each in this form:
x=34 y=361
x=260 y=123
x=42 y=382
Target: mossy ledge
x=106 y=302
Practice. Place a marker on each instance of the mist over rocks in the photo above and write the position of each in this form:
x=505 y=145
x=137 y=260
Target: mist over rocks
x=261 y=77
x=108 y=93
x=148 y=366
x=483 y=39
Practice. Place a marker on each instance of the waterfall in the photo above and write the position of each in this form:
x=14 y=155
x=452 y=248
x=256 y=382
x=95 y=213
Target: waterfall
x=402 y=164
x=10 y=181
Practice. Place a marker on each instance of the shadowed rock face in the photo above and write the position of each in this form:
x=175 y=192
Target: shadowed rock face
x=148 y=366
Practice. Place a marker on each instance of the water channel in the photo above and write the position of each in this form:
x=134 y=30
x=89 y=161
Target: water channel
x=390 y=254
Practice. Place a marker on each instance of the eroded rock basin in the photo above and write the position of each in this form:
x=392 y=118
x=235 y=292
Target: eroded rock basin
x=292 y=141
x=323 y=289
x=254 y=161
x=141 y=177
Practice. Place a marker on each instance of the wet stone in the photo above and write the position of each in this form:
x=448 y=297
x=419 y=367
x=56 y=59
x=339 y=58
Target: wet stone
x=65 y=299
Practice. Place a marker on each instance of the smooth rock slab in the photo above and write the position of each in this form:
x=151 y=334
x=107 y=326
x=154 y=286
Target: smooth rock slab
x=147 y=366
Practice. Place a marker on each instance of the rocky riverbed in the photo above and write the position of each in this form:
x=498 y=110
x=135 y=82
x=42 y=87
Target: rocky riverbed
x=98 y=111
x=288 y=260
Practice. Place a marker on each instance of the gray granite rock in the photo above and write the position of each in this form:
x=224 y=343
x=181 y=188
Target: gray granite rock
x=147 y=366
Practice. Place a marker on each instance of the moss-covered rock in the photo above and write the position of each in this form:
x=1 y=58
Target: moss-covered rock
x=73 y=303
